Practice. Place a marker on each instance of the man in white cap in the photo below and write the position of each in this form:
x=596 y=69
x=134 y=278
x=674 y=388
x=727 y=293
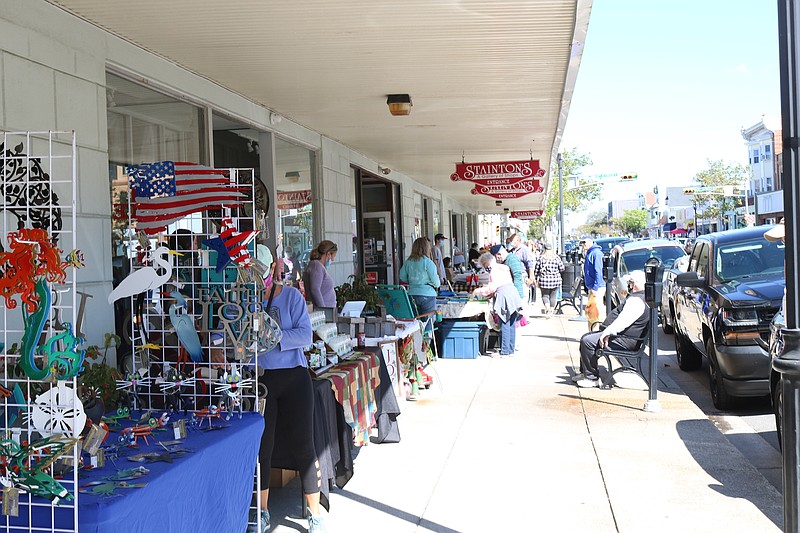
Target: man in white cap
x=625 y=323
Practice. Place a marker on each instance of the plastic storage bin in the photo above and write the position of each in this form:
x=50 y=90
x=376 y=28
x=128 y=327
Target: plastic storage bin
x=460 y=340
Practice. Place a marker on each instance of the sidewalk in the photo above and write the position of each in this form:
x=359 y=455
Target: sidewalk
x=510 y=444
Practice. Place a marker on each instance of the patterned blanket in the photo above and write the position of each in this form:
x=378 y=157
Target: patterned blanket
x=354 y=381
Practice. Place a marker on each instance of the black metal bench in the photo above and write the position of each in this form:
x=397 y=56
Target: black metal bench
x=571 y=297
x=634 y=357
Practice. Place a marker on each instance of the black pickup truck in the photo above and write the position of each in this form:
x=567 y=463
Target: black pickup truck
x=723 y=307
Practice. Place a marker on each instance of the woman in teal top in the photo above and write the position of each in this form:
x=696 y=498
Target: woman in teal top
x=419 y=271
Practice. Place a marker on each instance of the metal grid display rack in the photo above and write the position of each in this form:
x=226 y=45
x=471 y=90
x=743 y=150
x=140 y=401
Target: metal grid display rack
x=38 y=179
x=224 y=306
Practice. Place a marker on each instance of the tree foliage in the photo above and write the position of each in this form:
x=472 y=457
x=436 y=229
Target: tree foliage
x=633 y=221
x=714 y=204
x=596 y=224
x=574 y=197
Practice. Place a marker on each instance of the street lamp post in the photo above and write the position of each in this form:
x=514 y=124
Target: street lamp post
x=560 y=206
x=788 y=364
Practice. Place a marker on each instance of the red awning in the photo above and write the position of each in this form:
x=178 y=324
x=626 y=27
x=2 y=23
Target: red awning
x=679 y=231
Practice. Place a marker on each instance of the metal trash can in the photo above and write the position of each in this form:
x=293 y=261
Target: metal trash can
x=568 y=277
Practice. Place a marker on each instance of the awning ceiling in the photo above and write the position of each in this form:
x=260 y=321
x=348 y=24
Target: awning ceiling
x=490 y=81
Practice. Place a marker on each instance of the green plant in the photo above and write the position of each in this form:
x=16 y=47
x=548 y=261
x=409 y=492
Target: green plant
x=358 y=290
x=98 y=379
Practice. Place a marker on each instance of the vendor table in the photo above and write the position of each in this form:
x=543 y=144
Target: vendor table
x=207 y=490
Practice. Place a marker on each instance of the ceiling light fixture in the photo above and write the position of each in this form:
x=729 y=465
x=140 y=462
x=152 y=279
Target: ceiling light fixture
x=384 y=170
x=292 y=176
x=399 y=104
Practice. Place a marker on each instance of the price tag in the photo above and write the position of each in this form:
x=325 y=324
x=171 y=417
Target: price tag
x=92 y=442
x=179 y=429
x=98 y=460
x=11 y=501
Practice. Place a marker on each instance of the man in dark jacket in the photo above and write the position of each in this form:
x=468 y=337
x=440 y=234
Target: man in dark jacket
x=628 y=321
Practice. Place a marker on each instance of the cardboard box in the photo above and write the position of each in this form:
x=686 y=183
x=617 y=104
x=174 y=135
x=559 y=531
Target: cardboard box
x=279 y=477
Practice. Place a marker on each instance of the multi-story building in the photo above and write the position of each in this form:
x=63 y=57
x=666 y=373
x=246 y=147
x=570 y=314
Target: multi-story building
x=765 y=194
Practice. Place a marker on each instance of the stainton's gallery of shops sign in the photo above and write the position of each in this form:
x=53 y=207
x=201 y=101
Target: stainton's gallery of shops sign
x=527 y=215
x=501 y=179
x=293 y=199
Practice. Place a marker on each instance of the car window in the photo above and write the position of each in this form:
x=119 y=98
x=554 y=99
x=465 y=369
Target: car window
x=635 y=259
x=755 y=257
x=693 y=259
x=701 y=265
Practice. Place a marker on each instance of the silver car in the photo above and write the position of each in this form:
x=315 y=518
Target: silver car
x=632 y=256
x=667 y=310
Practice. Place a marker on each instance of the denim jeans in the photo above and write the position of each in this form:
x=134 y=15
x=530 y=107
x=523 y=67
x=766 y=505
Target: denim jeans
x=425 y=304
x=508 y=335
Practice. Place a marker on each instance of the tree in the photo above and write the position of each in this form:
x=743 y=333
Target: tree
x=714 y=203
x=596 y=224
x=575 y=197
x=633 y=221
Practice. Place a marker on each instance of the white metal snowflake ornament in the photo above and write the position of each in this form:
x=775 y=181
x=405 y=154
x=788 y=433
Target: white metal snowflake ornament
x=58 y=411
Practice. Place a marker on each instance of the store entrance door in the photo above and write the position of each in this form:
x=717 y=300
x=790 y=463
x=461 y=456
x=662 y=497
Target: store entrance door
x=378 y=246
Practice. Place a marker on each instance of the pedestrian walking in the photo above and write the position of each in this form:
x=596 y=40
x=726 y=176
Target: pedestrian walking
x=548 y=276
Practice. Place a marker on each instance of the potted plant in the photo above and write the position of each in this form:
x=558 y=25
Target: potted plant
x=97 y=384
x=358 y=290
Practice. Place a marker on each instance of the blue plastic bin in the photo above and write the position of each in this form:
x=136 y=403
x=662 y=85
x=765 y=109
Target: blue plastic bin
x=460 y=339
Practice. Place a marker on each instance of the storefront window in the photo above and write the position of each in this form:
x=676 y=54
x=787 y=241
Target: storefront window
x=296 y=167
x=144 y=126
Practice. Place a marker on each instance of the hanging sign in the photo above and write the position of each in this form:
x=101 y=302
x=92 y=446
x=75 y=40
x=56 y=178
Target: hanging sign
x=294 y=199
x=527 y=215
x=499 y=173
x=514 y=190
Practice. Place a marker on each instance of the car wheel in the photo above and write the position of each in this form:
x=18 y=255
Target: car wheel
x=688 y=358
x=777 y=408
x=719 y=394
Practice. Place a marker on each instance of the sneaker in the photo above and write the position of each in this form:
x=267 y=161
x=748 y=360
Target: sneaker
x=315 y=524
x=588 y=382
x=252 y=526
x=577 y=377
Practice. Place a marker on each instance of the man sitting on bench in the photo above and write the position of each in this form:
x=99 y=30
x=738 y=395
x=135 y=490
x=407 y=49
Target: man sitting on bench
x=618 y=331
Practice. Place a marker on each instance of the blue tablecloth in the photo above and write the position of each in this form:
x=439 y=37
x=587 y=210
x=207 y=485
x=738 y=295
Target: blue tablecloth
x=208 y=490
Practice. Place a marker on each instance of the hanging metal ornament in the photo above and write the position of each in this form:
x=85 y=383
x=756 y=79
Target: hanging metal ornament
x=58 y=411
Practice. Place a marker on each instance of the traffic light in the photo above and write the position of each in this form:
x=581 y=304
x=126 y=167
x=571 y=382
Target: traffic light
x=629 y=177
x=688 y=191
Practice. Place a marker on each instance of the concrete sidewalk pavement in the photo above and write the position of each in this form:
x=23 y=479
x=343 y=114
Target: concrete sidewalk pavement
x=510 y=444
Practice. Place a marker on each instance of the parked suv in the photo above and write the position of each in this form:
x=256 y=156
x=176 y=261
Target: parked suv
x=723 y=307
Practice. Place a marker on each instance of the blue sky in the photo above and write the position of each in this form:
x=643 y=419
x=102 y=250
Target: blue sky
x=665 y=86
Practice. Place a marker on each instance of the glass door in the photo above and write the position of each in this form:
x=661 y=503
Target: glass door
x=378 y=246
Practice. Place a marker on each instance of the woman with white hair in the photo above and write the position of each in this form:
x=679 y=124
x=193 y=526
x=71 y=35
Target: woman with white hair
x=507 y=305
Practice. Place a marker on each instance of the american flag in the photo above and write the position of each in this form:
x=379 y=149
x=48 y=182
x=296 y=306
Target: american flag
x=166 y=191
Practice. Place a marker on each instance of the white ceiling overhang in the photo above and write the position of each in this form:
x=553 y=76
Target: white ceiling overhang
x=490 y=80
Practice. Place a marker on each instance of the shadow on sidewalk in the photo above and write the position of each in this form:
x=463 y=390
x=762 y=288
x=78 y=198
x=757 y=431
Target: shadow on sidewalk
x=394 y=511
x=733 y=482
x=595 y=400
